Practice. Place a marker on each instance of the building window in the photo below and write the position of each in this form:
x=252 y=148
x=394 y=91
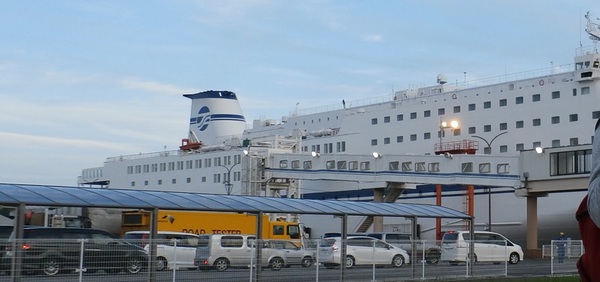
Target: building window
x=472 y=130
x=441 y=111
x=537 y=122
x=374 y=121
x=573 y=117
x=555 y=119
x=400 y=117
x=456 y=109
x=427 y=135
x=487 y=105
x=503 y=102
x=571 y=162
x=373 y=142
x=555 y=94
x=427 y=113
x=413 y=115
x=386 y=119
x=413 y=137
x=471 y=107
x=519 y=124
x=519 y=100
x=535 y=98
x=399 y=139
x=386 y=140
x=487 y=128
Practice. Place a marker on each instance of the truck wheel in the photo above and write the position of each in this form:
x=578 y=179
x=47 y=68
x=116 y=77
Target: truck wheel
x=221 y=264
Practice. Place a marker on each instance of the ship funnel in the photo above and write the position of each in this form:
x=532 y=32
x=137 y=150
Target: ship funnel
x=216 y=117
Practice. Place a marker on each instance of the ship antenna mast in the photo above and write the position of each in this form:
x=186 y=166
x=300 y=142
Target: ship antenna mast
x=593 y=29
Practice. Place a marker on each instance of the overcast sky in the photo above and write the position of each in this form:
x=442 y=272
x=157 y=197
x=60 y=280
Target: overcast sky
x=81 y=81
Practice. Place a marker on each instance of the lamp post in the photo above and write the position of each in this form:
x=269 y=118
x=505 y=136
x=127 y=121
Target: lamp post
x=443 y=125
x=227 y=182
x=488 y=150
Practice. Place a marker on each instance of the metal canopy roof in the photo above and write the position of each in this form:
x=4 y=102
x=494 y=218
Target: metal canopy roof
x=65 y=196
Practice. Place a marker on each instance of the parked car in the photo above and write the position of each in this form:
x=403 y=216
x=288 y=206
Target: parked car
x=488 y=247
x=293 y=254
x=51 y=251
x=361 y=250
x=222 y=251
x=404 y=241
x=173 y=249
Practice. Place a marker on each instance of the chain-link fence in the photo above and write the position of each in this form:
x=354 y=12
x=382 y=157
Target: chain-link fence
x=230 y=257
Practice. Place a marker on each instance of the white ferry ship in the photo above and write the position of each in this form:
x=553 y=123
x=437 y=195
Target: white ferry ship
x=551 y=107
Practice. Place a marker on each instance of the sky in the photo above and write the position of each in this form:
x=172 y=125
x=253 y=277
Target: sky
x=81 y=81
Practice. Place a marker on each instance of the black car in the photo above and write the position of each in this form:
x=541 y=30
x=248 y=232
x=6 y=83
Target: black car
x=51 y=251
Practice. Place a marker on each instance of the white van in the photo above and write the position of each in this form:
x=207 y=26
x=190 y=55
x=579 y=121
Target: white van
x=488 y=247
x=173 y=249
x=222 y=251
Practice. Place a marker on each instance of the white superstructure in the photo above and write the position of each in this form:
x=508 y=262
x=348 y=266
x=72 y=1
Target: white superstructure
x=552 y=107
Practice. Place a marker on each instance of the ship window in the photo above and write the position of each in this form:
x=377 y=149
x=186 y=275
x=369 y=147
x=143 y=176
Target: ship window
x=595 y=114
x=441 y=111
x=555 y=94
x=406 y=166
x=537 y=122
x=138 y=169
x=307 y=164
x=456 y=132
x=132 y=183
x=420 y=166
x=556 y=143
x=365 y=165
x=487 y=105
x=353 y=165
x=503 y=149
x=467 y=167
x=283 y=164
x=427 y=135
x=160 y=182
x=399 y=139
x=203 y=178
x=189 y=180
x=574 y=91
x=520 y=147
x=330 y=165
x=295 y=164
x=145 y=182
x=519 y=100
x=374 y=121
x=386 y=119
x=472 y=130
x=484 y=168
x=427 y=113
x=555 y=119
x=503 y=102
x=341 y=165
x=394 y=165
x=400 y=117
x=487 y=150
x=536 y=98
x=456 y=109
x=130 y=169
x=573 y=117
x=503 y=126
x=487 y=128
x=373 y=142
x=519 y=124
x=413 y=137
x=571 y=162
x=386 y=140
x=434 y=167
x=585 y=90
x=174 y=181
x=471 y=107
x=413 y=115
x=537 y=144
x=503 y=168
x=574 y=141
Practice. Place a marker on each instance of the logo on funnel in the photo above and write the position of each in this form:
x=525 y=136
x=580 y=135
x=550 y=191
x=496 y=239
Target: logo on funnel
x=202 y=119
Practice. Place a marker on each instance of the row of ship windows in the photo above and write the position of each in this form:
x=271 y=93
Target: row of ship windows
x=181 y=165
x=236 y=176
x=327 y=148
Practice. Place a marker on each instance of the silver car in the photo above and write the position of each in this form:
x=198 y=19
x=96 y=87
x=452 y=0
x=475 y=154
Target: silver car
x=361 y=250
x=293 y=254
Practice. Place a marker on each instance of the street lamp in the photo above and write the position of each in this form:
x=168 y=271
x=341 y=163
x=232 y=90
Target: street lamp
x=488 y=149
x=443 y=125
x=227 y=182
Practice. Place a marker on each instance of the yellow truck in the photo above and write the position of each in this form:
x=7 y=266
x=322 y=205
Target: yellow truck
x=209 y=223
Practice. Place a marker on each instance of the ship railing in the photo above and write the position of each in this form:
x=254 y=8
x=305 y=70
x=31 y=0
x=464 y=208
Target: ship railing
x=141 y=156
